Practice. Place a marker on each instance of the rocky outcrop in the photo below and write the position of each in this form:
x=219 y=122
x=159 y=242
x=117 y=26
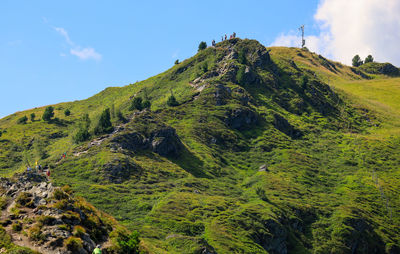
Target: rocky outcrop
x=240 y=118
x=274 y=241
x=52 y=220
x=119 y=170
x=163 y=141
x=221 y=94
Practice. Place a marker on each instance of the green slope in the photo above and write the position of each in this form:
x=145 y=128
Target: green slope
x=264 y=160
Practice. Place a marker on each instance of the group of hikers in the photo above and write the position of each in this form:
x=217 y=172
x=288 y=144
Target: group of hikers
x=224 y=38
x=39 y=169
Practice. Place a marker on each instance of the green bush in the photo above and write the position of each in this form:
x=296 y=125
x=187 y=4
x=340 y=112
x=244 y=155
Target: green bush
x=177 y=61
x=242 y=57
x=22 y=120
x=73 y=244
x=85 y=121
x=82 y=135
x=240 y=75
x=172 y=102
x=146 y=104
x=48 y=114
x=33 y=117
x=304 y=82
x=24 y=199
x=124 y=242
x=104 y=125
x=67 y=112
x=204 y=67
x=120 y=117
x=78 y=231
x=46 y=220
x=35 y=233
x=202 y=45
x=60 y=194
x=136 y=104
x=17 y=226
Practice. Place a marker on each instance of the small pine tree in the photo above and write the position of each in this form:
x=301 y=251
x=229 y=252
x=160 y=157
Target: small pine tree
x=33 y=117
x=369 y=59
x=104 y=125
x=85 y=121
x=172 y=102
x=204 y=67
x=304 y=82
x=136 y=104
x=22 y=120
x=82 y=135
x=242 y=57
x=356 y=61
x=240 y=75
x=112 y=111
x=202 y=45
x=48 y=113
x=146 y=104
x=177 y=61
x=83 y=131
x=120 y=117
x=67 y=112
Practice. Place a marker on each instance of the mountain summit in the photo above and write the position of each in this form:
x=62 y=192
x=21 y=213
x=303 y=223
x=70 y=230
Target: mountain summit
x=238 y=149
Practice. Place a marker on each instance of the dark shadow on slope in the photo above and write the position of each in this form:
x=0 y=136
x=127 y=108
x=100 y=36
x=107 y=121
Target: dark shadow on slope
x=190 y=163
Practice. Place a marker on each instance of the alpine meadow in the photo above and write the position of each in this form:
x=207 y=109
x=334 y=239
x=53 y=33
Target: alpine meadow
x=240 y=148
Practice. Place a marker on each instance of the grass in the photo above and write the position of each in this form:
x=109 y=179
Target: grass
x=318 y=190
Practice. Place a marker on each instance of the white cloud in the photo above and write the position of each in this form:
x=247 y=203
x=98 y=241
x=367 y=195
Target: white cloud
x=350 y=27
x=86 y=53
x=64 y=34
x=76 y=50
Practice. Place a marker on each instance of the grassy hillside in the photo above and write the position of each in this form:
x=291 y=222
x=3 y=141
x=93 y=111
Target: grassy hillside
x=270 y=150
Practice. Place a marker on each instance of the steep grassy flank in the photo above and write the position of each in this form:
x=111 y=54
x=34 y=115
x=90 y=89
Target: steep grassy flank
x=261 y=155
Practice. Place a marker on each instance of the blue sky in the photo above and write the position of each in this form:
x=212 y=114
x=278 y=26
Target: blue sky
x=133 y=40
x=56 y=51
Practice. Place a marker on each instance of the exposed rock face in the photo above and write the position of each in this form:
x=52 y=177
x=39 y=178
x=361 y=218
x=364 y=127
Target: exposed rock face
x=284 y=126
x=240 y=118
x=275 y=240
x=163 y=141
x=47 y=225
x=120 y=170
x=132 y=141
x=222 y=93
x=260 y=57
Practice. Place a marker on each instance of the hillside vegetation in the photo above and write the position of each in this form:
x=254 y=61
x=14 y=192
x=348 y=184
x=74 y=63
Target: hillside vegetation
x=265 y=150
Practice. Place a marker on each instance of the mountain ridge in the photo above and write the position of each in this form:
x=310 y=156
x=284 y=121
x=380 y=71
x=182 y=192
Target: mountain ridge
x=265 y=153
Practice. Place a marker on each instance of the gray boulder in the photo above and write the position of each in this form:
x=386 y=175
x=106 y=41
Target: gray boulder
x=240 y=118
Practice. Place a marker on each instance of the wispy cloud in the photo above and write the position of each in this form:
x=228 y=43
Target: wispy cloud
x=83 y=53
x=64 y=34
x=86 y=53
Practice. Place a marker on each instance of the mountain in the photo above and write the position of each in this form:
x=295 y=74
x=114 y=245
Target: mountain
x=263 y=150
